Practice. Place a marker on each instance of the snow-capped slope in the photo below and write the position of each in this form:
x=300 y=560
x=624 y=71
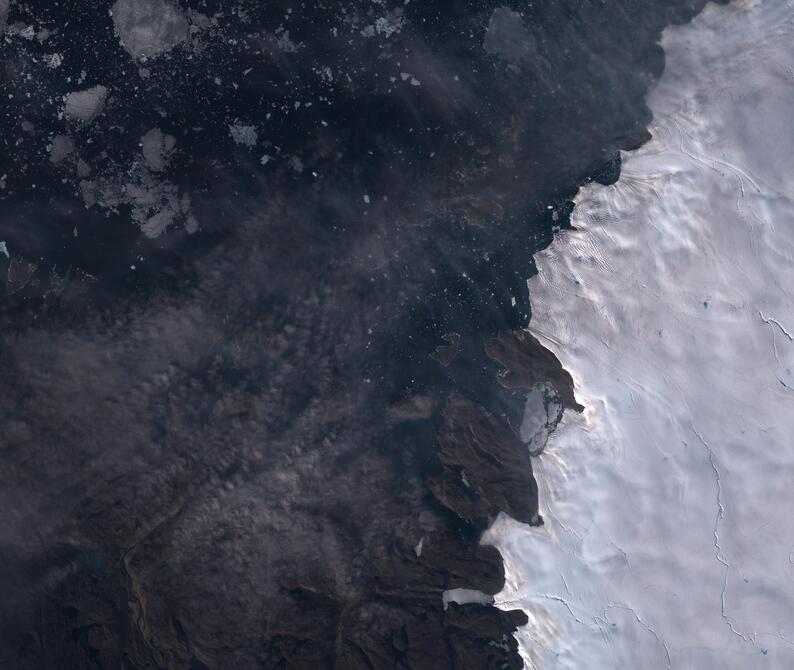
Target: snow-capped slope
x=669 y=504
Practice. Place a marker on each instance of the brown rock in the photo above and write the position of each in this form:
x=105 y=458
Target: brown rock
x=527 y=362
x=486 y=467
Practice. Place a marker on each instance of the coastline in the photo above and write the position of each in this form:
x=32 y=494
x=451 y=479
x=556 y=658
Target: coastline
x=664 y=302
x=276 y=433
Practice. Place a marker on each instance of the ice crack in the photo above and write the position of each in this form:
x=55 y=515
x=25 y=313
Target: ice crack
x=770 y=320
x=555 y=598
x=717 y=545
x=645 y=625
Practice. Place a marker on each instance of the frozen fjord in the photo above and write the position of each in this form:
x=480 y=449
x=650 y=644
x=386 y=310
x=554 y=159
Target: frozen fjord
x=669 y=536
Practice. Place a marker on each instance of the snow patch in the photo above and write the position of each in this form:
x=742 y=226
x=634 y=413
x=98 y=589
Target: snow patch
x=465 y=597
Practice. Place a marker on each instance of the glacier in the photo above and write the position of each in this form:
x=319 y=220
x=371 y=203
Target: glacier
x=669 y=534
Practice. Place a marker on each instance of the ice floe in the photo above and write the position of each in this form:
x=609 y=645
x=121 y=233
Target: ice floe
x=244 y=134
x=60 y=148
x=148 y=28
x=157 y=148
x=85 y=105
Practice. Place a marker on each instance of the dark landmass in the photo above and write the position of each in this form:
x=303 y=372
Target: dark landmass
x=527 y=362
x=260 y=380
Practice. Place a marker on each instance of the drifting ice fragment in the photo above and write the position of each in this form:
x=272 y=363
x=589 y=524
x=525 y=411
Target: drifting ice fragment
x=148 y=27
x=244 y=135
x=60 y=148
x=157 y=149
x=85 y=105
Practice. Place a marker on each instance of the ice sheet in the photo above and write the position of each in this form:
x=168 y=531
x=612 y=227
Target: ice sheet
x=669 y=535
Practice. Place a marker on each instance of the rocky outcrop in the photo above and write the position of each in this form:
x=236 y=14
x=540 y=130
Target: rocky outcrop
x=527 y=362
x=486 y=467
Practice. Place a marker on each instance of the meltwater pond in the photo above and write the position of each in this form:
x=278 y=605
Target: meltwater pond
x=669 y=535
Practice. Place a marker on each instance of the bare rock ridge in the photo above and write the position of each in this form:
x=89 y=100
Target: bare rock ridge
x=527 y=362
x=487 y=469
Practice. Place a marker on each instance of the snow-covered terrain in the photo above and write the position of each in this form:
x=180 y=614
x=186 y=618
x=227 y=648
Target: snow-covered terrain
x=669 y=535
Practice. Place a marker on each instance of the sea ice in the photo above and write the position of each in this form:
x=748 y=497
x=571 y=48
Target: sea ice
x=147 y=28
x=669 y=534
x=4 y=7
x=85 y=105
x=243 y=135
x=157 y=148
x=61 y=147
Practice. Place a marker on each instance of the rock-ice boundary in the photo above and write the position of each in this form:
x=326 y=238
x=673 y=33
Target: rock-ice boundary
x=669 y=538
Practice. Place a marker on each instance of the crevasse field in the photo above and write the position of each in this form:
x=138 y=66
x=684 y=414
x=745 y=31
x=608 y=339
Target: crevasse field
x=669 y=505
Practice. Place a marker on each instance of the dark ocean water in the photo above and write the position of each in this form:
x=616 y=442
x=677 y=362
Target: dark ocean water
x=220 y=445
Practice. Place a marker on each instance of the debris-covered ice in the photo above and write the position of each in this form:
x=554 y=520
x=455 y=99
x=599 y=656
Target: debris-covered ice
x=147 y=28
x=85 y=105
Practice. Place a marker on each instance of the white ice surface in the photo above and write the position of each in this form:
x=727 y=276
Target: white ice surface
x=669 y=504
x=465 y=597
